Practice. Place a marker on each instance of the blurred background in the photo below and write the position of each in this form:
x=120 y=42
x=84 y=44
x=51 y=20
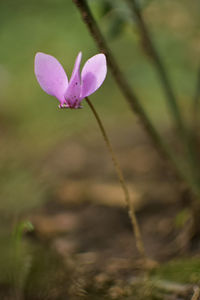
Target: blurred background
x=31 y=124
x=47 y=153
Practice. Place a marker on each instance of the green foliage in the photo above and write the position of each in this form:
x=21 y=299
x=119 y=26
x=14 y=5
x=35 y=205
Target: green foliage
x=118 y=15
x=182 y=217
x=32 y=125
x=186 y=270
x=15 y=258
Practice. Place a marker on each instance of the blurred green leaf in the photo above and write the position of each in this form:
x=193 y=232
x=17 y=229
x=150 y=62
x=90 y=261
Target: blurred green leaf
x=23 y=226
x=182 y=217
x=116 y=27
x=186 y=270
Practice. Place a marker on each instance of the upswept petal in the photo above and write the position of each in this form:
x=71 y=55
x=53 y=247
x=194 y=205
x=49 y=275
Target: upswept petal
x=93 y=74
x=51 y=75
x=72 y=95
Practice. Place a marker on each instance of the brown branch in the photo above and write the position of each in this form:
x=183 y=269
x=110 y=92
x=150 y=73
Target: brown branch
x=196 y=102
x=126 y=90
x=196 y=293
x=189 y=146
x=131 y=98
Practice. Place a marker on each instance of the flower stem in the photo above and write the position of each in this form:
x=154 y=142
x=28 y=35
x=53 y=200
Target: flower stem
x=131 y=211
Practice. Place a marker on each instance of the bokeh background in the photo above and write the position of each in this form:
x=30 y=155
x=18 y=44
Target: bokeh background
x=48 y=155
x=32 y=126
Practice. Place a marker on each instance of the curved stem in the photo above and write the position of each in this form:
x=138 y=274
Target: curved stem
x=131 y=211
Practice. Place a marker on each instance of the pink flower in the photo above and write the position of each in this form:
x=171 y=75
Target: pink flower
x=53 y=79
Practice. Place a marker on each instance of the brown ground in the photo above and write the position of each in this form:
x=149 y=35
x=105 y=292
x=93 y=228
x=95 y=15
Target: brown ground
x=85 y=245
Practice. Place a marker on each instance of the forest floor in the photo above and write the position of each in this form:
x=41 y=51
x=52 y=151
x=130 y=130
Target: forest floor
x=83 y=247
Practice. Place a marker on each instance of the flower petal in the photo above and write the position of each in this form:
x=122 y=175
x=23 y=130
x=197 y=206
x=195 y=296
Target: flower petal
x=93 y=74
x=72 y=95
x=51 y=75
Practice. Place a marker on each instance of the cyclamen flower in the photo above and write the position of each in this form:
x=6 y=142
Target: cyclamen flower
x=53 y=79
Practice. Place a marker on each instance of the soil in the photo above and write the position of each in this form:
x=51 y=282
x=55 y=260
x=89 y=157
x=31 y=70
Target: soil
x=83 y=246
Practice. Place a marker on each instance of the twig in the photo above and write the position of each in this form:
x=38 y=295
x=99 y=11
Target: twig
x=152 y=52
x=172 y=287
x=196 y=293
x=189 y=147
x=166 y=286
x=131 y=211
x=193 y=138
x=196 y=102
x=130 y=96
x=119 y=78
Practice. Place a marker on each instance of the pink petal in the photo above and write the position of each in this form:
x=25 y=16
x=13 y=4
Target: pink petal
x=51 y=75
x=72 y=95
x=93 y=74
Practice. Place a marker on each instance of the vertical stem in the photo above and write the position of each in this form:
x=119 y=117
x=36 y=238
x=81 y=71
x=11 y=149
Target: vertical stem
x=125 y=88
x=194 y=132
x=152 y=52
x=196 y=103
x=130 y=96
x=131 y=211
x=189 y=147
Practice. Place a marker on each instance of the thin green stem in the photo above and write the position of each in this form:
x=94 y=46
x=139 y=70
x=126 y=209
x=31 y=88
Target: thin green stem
x=129 y=203
x=152 y=52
